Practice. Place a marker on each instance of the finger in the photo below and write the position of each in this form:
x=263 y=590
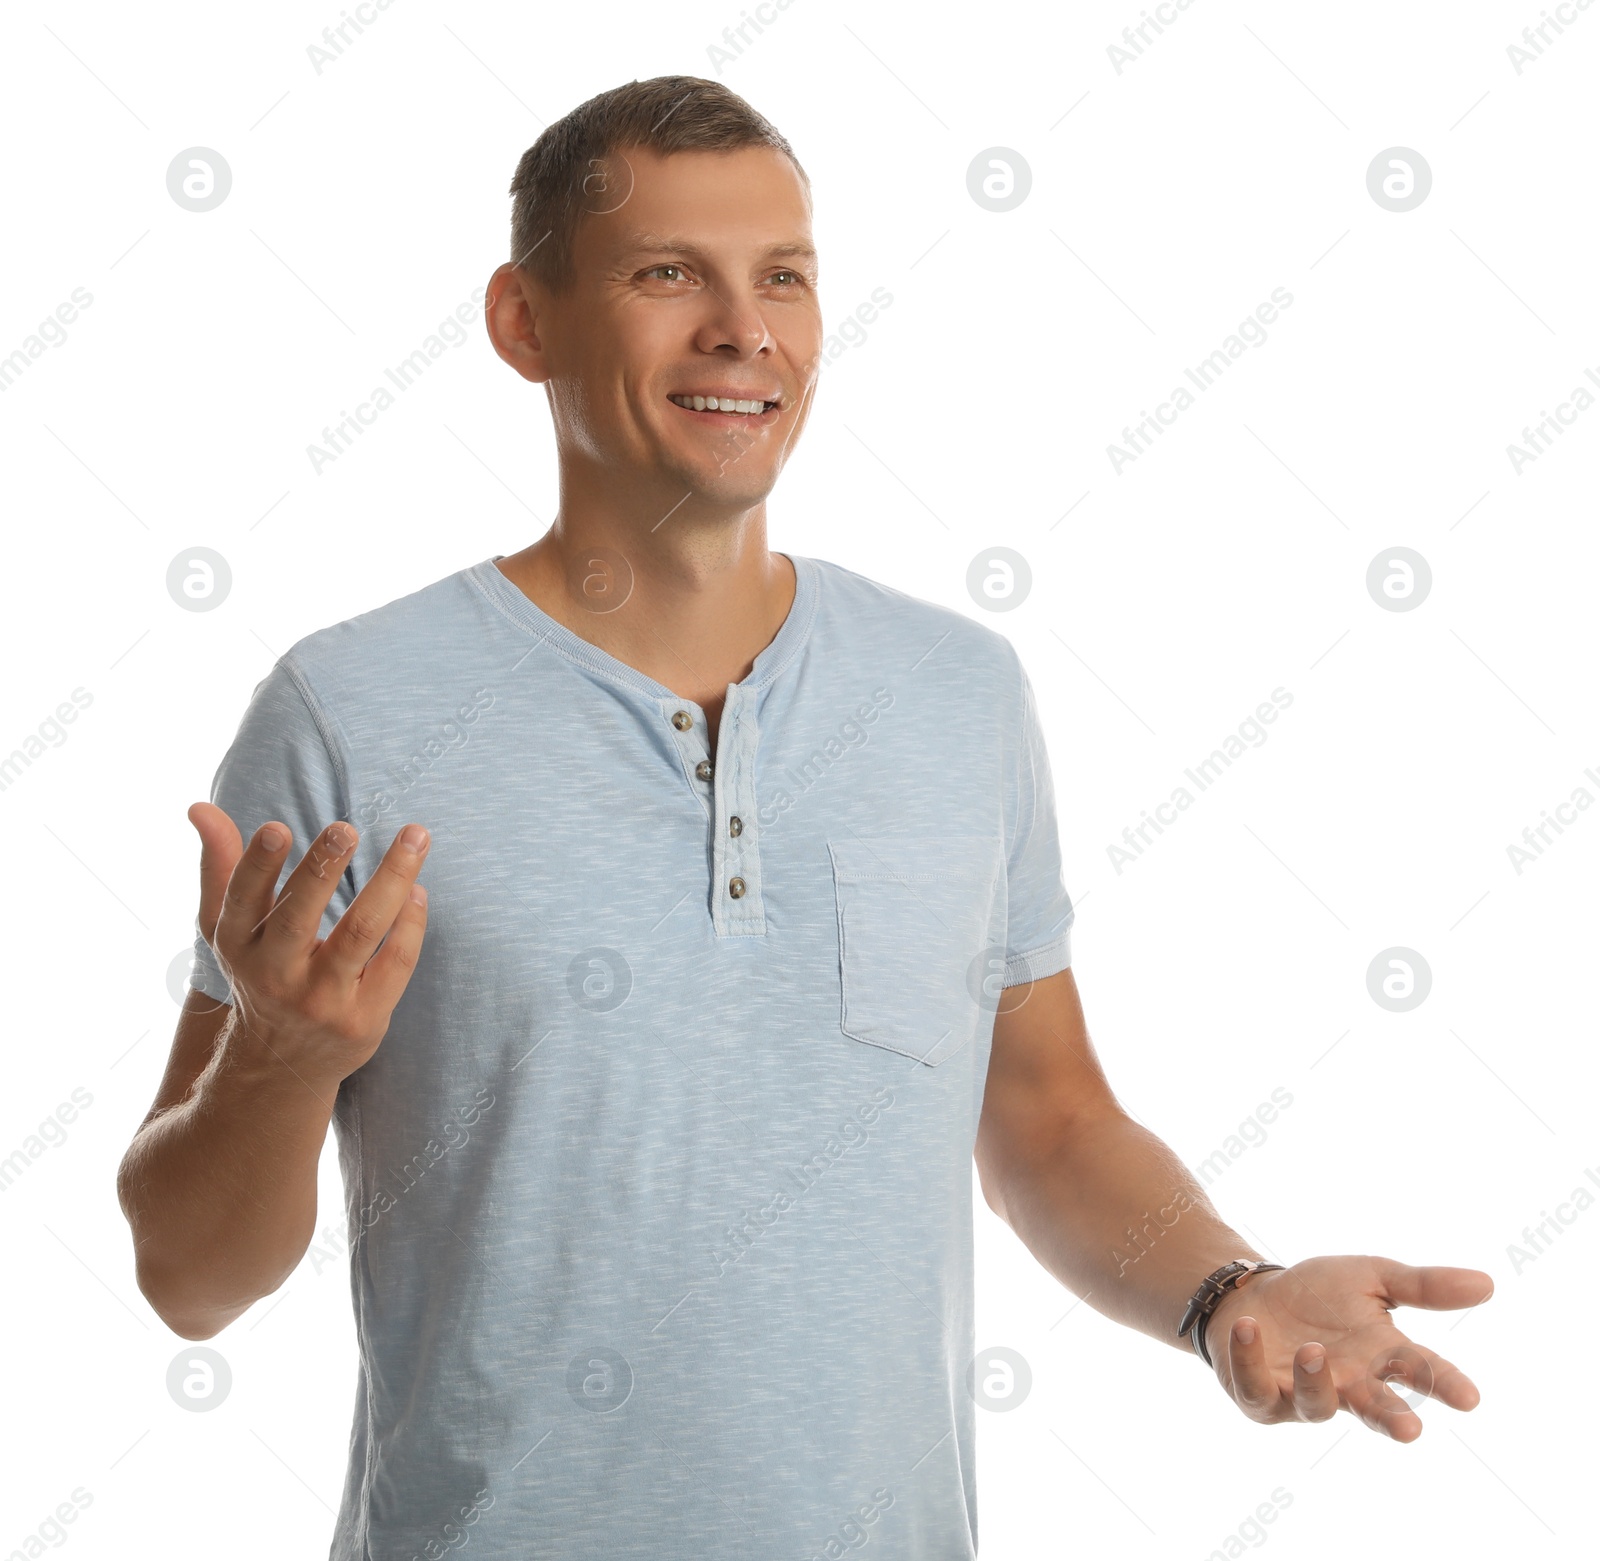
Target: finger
x=1255 y=1389
x=220 y=849
x=372 y=913
x=251 y=883
x=1315 y=1397
x=1426 y=1372
x=1373 y=1402
x=1451 y=1385
x=390 y=968
x=297 y=914
x=1435 y=1289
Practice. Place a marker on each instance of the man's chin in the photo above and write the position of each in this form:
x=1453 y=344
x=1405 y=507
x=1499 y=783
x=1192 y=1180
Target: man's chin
x=721 y=489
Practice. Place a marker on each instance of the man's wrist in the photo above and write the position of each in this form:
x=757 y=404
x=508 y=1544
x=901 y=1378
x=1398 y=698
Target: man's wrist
x=262 y=1061
x=1233 y=1303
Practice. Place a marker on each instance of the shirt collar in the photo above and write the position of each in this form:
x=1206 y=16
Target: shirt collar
x=522 y=610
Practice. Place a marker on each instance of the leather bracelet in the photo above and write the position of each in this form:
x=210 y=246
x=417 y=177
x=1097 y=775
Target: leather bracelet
x=1206 y=1299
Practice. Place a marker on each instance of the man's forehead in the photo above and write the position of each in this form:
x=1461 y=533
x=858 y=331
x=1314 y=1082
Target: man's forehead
x=693 y=202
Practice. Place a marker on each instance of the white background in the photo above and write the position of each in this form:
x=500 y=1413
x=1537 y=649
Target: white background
x=1168 y=600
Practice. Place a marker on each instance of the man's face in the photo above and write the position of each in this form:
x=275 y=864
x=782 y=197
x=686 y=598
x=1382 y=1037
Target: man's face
x=694 y=277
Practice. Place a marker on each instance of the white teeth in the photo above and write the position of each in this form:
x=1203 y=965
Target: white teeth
x=726 y=404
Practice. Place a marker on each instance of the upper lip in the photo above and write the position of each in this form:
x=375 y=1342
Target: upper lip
x=729 y=392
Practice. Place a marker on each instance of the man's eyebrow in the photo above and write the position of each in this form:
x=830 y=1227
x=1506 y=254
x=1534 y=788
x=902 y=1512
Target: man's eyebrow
x=654 y=243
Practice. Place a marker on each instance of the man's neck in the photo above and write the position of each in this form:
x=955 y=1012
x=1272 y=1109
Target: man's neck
x=693 y=619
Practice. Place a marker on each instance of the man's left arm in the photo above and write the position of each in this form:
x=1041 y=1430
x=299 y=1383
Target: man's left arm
x=1109 y=1210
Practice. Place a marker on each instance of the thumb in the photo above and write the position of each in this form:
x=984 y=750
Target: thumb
x=220 y=848
x=1436 y=1288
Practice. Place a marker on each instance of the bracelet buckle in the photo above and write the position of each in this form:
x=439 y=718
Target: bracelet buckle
x=1210 y=1293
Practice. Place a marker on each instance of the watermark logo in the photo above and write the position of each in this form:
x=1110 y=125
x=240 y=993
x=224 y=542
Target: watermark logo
x=599 y=1380
x=986 y=975
x=198 y=1379
x=999 y=1379
x=599 y=979
x=601 y=579
x=1399 y=179
x=1399 y=979
x=199 y=179
x=998 y=179
x=1401 y=1367
x=602 y=189
x=180 y=974
x=999 y=579
x=1399 y=578
x=199 y=579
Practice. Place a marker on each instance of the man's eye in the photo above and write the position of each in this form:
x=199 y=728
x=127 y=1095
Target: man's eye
x=784 y=278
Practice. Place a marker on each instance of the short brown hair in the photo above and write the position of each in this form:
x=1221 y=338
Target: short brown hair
x=665 y=113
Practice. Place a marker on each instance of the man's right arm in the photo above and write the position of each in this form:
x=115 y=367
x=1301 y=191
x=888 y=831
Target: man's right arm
x=220 y=1182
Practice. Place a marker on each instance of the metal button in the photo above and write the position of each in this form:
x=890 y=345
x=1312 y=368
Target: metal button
x=703 y=770
x=735 y=825
x=682 y=720
x=736 y=888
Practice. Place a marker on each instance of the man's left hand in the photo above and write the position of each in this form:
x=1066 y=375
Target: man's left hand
x=1320 y=1340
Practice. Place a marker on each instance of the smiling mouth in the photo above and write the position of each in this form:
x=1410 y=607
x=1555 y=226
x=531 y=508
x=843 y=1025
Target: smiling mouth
x=725 y=407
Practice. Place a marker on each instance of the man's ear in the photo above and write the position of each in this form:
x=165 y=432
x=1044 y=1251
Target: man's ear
x=510 y=315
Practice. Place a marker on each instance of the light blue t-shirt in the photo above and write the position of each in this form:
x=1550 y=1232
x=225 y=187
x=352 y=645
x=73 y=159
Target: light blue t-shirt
x=659 y=1187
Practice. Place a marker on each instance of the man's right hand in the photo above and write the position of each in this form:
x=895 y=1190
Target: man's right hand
x=320 y=1005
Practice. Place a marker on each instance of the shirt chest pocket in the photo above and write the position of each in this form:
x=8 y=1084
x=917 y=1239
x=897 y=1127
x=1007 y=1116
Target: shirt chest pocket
x=920 y=928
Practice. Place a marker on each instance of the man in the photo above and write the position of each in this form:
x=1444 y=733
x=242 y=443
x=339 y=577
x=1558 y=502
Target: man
x=744 y=931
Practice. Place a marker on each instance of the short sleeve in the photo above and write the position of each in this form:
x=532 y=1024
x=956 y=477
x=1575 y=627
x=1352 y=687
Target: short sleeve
x=1039 y=913
x=280 y=765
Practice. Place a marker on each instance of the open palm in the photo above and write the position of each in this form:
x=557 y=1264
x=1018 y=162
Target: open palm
x=1304 y=1342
